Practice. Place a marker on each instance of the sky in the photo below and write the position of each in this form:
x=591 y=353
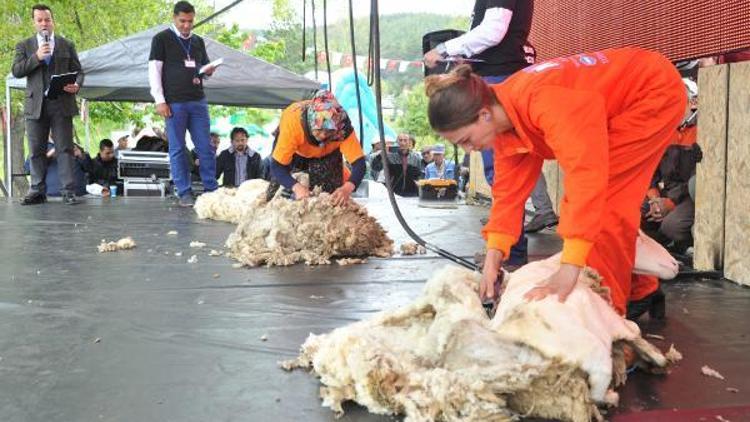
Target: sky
x=256 y=14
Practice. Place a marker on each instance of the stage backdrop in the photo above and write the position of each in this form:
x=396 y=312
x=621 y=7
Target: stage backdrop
x=680 y=29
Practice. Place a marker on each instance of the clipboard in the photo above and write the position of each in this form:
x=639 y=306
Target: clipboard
x=57 y=82
x=215 y=64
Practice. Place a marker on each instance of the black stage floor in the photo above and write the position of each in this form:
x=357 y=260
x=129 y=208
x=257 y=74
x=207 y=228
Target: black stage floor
x=142 y=335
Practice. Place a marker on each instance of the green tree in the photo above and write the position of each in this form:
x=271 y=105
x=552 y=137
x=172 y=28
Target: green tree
x=87 y=24
x=413 y=120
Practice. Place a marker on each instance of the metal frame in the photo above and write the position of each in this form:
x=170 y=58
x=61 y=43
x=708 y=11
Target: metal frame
x=8 y=158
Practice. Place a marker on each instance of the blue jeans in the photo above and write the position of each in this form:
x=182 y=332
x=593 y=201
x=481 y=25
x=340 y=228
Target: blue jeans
x=192 y=116
x=519 y=253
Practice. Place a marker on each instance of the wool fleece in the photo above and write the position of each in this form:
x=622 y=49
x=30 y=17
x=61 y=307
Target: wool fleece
x=285 y=232
x=441 y=358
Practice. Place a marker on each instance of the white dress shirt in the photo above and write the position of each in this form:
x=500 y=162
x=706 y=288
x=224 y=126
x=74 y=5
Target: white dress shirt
x=487 y=34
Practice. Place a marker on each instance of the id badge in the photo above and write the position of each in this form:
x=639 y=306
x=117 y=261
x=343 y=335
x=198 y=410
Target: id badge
x=190 y=64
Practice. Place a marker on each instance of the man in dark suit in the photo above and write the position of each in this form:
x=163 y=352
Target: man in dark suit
x=239 y=162
x=37 y=59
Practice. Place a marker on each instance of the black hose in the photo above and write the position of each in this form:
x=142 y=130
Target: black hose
x=304 y=29
x=325 y=43
x=315 y=38
x=356 y=74
x=375 y=42
x=369 y=57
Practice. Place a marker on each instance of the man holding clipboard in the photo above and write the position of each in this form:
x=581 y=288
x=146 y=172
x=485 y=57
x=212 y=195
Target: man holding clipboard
x=38 y=59
x=177 y=65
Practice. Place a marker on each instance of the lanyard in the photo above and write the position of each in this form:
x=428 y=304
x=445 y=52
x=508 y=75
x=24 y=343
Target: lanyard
x=182 y=44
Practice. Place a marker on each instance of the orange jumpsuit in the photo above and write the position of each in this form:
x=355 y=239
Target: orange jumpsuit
x=292 y=140
x=607 y=117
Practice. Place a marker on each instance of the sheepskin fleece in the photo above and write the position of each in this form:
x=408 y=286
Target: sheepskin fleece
x=121 y=245
x=313 y=231
x=228 y=204
x=284 y=232
x=441 y=358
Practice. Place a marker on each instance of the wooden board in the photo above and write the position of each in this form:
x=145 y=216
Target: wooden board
x=737 y=221
x=713 y=84
x=553 y=176
x=477 y=182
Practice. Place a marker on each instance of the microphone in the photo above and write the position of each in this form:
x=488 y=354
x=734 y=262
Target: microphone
x=45 y=35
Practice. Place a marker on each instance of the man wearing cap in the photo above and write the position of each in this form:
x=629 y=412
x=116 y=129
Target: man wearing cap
x=439 y=168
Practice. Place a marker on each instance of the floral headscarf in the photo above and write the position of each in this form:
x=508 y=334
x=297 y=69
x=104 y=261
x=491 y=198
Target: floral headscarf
x=325 y=113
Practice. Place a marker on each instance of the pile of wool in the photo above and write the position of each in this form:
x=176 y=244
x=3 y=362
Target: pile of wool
x=442 y=358
x=313 y=231
x=411 y=248
x=228 y=204
x=122 y=244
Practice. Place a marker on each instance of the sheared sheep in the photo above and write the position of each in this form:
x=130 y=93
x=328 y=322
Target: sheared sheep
x=442 y=358
x=285 y=232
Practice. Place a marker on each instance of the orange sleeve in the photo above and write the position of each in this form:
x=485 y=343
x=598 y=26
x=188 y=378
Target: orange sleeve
x=687 y=137
x=574 y=124
x=290 y=136
x=351 y=149
x=515 y=177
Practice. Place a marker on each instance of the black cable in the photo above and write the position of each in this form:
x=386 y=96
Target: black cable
x=375 y=41
x=456 y=168
x=315 y=38
x=231 y=5
x=304 y=29
x=325 y=44
x=369 y=57
x=356 y=74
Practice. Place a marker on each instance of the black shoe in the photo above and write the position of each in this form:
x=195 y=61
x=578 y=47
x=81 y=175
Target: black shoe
x=69 y=199
x=540 y=222
x=655 y=304
x=34 y=198
x=186 y=201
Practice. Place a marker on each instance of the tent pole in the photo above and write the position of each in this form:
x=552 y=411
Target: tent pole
x=86 y=120
x=8 y=142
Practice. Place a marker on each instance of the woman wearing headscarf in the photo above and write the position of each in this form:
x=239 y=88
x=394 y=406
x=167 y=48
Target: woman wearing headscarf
x=315 y=136
x=606 y=117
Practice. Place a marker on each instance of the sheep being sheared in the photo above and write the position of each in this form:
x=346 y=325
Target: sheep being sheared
x=284 y=232
x=442 y=358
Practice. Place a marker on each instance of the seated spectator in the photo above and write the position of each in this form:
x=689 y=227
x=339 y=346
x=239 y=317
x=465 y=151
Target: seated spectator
x=464 y=173
x=266 y=168
x=239 y=162
x=81 y=168
x=375 y=150
x=668 y=211
x=195 y=163
x=426 y=157
x=215 y=140
x=104 y=168
x=151 y=139
x=439 y=168
x=122 y=143
x=404 y=166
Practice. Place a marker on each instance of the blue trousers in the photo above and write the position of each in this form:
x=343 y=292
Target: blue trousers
x=191 y=116
x=519 y=253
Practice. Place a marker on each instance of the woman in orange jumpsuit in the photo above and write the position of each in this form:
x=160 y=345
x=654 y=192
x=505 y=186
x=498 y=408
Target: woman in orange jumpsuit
x=606 y=117
x=315 y=136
